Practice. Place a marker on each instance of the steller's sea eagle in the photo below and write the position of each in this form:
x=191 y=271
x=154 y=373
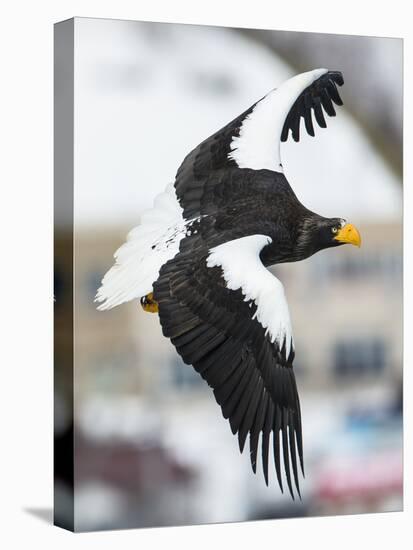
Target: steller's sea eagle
x=199 y=258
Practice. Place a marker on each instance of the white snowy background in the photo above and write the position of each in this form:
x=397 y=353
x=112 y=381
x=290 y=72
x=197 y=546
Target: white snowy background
x=147 y=94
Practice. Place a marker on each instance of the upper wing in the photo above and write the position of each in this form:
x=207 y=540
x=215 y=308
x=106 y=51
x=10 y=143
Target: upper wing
x=226 y=314
x=252 y=140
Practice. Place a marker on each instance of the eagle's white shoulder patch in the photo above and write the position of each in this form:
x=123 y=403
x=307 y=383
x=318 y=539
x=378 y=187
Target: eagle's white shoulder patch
x=242 y=269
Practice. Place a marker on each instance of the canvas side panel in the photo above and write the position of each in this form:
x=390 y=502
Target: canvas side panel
x=63 y=274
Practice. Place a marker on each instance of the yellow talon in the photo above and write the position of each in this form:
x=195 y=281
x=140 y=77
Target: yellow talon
x=149 y=304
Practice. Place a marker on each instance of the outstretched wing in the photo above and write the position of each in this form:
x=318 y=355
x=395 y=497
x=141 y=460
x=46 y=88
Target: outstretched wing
x=251 y=141
x=226 y=314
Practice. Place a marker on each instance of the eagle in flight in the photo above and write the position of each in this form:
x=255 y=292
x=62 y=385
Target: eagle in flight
x=199 y=259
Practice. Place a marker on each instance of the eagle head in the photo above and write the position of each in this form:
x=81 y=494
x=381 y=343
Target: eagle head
x=317 y=233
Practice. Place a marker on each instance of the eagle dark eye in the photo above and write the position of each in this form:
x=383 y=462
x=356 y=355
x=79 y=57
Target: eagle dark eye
x=334 y=229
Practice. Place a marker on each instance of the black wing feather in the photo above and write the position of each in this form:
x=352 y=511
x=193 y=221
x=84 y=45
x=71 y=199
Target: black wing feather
x=276 y=445
x=257 y=427
x=266 y=433
x=327 y=103
x=284 y=436
x=318 y=111
x=308 y=122
x=333 y=92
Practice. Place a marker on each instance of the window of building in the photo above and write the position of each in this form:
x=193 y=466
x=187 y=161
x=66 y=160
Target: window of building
x=355 y=358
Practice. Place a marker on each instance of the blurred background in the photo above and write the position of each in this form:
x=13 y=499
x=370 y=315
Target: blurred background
x=151 y=446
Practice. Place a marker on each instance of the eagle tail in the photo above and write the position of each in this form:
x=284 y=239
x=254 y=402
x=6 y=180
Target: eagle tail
x=148 y=246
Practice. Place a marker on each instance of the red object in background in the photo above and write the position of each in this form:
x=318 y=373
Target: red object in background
x=363 y=478
x=128 y=466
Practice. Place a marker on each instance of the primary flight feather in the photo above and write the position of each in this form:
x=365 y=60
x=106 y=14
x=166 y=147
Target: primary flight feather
x=199 y=258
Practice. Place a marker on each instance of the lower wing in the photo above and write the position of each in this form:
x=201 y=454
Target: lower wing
x=226 y=315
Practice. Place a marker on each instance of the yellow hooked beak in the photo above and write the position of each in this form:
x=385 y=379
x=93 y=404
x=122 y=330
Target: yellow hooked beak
x=348 y=234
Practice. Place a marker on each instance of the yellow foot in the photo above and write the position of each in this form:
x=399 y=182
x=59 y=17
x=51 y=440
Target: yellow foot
x=149 y=304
